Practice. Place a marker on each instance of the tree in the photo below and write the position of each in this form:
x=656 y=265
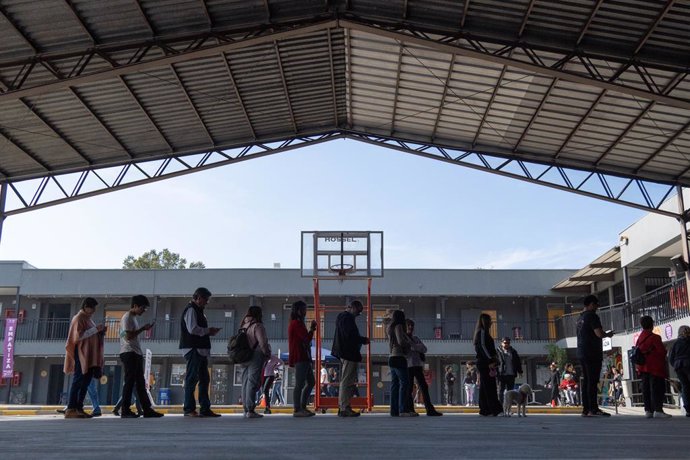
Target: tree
x=159 y=260
x=556 y=354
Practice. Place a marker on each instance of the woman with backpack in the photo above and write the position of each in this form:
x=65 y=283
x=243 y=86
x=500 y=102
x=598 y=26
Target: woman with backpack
x=400 y=345
x=653 y=370
x=251 y=374
x=680 y=360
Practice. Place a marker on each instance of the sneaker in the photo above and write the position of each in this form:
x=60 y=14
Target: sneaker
x=406 y=414
x=660 y=414
x=600 y=413
x=129 y=414
x=191 y=414
x=74 y=413
x=302 y=413
x=96 y=414
x=85 y=415
x=348 y=413
x=60 y=411
x=152 y=414
x=309 y=413
x=267 y=410
x=252 y=414
x=413 y=414
x=434 y=413
x=649 y=414
x=116 y=412
x=208 y=413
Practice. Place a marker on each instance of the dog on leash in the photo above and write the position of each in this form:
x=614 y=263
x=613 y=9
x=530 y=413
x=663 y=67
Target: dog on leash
x=519 y=397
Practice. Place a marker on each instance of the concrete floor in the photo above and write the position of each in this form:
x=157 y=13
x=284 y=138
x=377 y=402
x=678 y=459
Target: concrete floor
x=378 y=436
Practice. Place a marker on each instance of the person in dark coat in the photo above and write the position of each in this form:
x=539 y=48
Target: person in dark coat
x=486 y=364
x=509 y=367
x=680 y=360
x=346 y=346
x=554 y=383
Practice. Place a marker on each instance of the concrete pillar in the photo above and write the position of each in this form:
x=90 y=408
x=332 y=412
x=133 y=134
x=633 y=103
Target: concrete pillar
x=683 y=220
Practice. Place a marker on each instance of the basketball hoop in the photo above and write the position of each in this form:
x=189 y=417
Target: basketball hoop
x=342 y=269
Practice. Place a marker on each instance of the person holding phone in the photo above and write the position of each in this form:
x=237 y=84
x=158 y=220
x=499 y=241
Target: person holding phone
x=299 y=344
x=195 y=343
x=133 y=359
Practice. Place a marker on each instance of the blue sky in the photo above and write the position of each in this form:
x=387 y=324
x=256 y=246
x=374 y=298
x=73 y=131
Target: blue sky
x=249 y=215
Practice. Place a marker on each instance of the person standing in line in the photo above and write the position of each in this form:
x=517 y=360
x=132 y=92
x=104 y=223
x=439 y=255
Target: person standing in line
x=277 y=393
x=589 y=351
x=251 y=370
x=470 y=383
x=509 y=367
x=399 y=344
x=92 y=391
x=83 y=356
x=554 y=383
x=299 y=344
x=346 y=347
x=324 y=380
x=680 y=360
x=486 y=364
x=450 y=385
x=195 y=343
x=133 y=359
x=269 y=376
x=653 y=372
x=333 y=383
x=415 y=369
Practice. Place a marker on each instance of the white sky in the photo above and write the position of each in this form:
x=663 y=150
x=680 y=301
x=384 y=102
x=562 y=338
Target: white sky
x=249 y=215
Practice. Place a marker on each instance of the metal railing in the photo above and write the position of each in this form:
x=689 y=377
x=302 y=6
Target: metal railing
x=32 y=330
x=664 y=304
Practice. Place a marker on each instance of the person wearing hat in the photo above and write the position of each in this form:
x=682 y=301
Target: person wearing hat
x=133 y=359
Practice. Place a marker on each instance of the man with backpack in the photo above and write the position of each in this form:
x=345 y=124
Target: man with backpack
x=195 y=343
x=590 y=354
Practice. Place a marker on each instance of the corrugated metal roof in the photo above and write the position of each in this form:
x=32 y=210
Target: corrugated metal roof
x=600 y=269
x=88 y=83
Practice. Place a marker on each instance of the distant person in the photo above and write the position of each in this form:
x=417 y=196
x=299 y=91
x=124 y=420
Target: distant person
x=653 y=372
x=133 y=360
x=470 y=383
x=324 y=380
x=299 y=343
x=449 y=379
x=251 y=370
x=195 y=343
x=83 y=356
x=399 y=344
x=554 y=383
x=590 y=354
x=333 y=383
x=487 y=362
x=509 y=367
x=277 y=393
x=415 y=369
x=346 y=346
x=269 y=376
x=680 y=360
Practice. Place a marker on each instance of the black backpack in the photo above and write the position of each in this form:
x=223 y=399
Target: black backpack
x=636 y=355
x=239 y=350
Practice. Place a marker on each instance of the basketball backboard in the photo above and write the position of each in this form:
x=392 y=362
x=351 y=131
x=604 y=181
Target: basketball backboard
x=342 y=255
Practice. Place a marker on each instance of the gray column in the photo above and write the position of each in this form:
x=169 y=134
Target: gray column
x=683 y=220
x=3 y=201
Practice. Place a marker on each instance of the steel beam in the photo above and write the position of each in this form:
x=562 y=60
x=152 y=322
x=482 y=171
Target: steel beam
x=653 y=26
x=407 y=38
x=285 y=87
x=446 y=85
x=585 y=27
x=333 y=92
x=191 y=104
x=226 y=61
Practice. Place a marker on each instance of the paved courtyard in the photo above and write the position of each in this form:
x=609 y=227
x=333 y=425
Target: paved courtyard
x=329 y=437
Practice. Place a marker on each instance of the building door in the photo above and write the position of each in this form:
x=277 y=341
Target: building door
x=111 y=390
x=112 y=320
x=553 y=314
x=58 y=319
x=56 y=382
x=494 y=325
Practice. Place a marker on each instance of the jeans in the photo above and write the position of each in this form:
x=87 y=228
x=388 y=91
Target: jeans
x=507 y=384
x=400 y=390
x=277 y=394
x=417 y=373
x=268 y=383
x=93 y=396
x=197 y=372
x=304 y=383
x=348 y=378
x=591 y=370
x=469 y=393
x=653 y=392
x=251 y=379
x=133 y=365
x=80 y=384
x=450 y=389
x=684 y=377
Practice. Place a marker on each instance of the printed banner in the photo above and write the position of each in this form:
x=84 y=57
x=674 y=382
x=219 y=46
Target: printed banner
x=8 y=348
x=147 y=368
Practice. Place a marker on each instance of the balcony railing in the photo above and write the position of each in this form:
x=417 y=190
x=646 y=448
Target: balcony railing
x=669 y=302
x=427 y=329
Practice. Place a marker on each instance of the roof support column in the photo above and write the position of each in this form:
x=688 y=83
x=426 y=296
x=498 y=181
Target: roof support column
x=3 y=200
x=685 y=244
x=626 y=284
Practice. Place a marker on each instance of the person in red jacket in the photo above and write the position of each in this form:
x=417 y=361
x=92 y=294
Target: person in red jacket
x=653 y=372
x=299 y=344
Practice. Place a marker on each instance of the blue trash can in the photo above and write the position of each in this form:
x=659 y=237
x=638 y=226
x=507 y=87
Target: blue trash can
x=164 y=396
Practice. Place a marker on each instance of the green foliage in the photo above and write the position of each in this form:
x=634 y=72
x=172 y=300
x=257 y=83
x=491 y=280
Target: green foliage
x=164 y=259
x=556 y=354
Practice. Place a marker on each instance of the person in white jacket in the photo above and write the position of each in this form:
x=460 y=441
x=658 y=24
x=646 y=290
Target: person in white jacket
x=415 y=368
